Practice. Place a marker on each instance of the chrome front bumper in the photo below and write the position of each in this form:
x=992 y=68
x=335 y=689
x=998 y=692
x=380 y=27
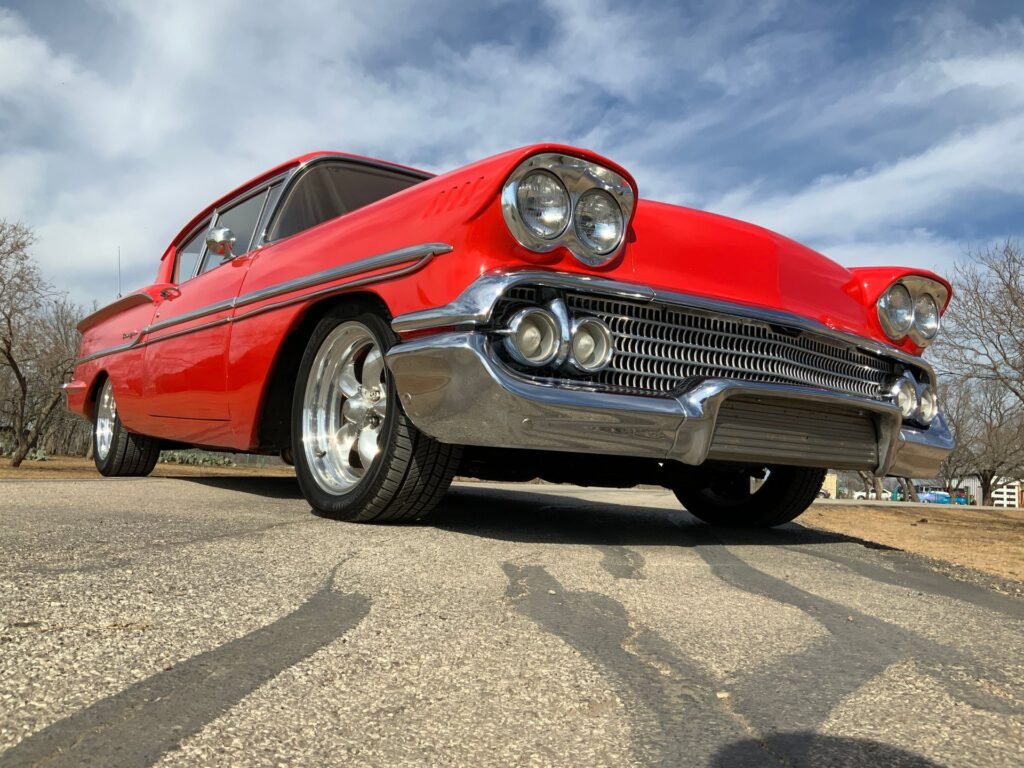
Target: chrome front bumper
x=453 y=390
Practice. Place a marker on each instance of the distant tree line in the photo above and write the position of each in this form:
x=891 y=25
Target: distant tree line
x=38 y=344
x=980 y=358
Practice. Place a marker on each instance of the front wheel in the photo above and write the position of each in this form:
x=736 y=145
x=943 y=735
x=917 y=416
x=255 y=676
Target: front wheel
x=116 y=451
x=357 y=455
x=745 y=497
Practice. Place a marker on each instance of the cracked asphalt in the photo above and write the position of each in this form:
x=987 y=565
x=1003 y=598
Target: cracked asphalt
x=219 y=622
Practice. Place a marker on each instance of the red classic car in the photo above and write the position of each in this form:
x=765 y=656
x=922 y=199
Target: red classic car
x=524 y=316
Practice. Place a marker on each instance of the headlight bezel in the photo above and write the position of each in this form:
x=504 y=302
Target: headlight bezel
x=578 y=177
x=918 y=287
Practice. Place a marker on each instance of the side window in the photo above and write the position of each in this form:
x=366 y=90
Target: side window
x=241 y=219
x=328 y=190
x=189 y=255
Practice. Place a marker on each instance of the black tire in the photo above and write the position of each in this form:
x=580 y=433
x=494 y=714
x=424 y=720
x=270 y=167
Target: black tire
x=129 y=454
x=726 y=500
x=411 y=471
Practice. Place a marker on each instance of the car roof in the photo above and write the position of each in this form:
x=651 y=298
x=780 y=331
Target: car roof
x=277 y=170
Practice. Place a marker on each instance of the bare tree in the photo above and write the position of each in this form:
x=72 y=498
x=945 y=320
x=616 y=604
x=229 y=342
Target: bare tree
x=989 y=425
x=958 y=398
x=38 y=342
x=983 y=335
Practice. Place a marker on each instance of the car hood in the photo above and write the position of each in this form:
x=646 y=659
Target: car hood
x=702 y=253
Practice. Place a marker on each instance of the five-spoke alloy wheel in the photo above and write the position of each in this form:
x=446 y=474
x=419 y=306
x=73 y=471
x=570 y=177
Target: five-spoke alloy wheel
x=357 y=455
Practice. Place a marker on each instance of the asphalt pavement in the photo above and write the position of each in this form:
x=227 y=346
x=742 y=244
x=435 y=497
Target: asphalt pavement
x=220 y=622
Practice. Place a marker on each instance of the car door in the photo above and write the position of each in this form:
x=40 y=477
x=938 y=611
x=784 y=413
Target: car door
x=185 y=364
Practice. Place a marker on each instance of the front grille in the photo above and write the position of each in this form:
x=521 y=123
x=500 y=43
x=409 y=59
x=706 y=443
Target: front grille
x=659 y=346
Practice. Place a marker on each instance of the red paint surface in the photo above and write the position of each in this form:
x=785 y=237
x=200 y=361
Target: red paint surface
x=208 y=387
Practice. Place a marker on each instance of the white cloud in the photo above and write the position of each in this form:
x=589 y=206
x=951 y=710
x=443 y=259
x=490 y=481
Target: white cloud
x=924 y=187
x=746 y=110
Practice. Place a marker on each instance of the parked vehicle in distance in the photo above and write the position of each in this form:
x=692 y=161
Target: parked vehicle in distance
x=962 y=497
x=932 y=494
x=863 y=495
x=525 y=316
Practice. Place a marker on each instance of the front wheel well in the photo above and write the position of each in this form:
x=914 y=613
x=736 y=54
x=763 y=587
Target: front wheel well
x=273 y=432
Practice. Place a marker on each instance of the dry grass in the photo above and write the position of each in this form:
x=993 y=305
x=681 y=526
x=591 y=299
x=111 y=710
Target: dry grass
x=64 y=468
x=985 y=539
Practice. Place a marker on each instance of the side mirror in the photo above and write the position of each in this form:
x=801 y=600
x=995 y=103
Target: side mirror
x=221 y=241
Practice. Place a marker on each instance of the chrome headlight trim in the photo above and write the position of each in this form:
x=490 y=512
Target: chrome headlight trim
x=919 y=288
x=578 y=176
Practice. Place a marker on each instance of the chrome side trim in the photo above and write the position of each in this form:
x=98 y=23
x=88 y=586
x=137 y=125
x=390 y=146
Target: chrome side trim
x=419 y=255
x=107 y=351
x=474 y=306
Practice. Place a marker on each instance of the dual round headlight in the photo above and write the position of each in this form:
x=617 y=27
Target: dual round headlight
x=901 y=313
x=544 y=205
x=598 y=221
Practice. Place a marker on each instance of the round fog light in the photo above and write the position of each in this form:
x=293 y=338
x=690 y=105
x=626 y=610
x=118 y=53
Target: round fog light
x=591 y=345
x=904 y=395
x=928 y=408
x=533 y=337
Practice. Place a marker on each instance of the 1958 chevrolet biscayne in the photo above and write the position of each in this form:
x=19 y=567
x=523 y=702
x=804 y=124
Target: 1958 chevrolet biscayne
x=524 y=316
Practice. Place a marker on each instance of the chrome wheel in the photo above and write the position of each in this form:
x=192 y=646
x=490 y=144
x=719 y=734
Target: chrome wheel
x=106 y=414
x=344 y=407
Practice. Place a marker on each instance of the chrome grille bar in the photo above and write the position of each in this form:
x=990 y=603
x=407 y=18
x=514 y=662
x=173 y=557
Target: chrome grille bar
x=658 y=346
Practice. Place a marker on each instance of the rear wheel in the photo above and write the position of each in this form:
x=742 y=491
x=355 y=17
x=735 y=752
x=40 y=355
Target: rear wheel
x=745 y=497
x=357 y=455
x=116 y=451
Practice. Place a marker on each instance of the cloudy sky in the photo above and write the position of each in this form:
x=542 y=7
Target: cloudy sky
x=878 y=131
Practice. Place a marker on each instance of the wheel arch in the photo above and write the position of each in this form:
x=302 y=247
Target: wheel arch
x=94 y=392
x=273 y=420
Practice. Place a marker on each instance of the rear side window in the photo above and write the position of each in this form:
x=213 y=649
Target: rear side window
x=189 y=255
x=329 y=190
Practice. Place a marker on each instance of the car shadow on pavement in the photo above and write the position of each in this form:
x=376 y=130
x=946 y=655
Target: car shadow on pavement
x=521 y=516
x=811 y=749
x=272 y=487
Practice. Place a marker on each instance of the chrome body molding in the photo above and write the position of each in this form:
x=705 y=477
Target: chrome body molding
x=473 y=309
x=414 y=257
x=455 y=390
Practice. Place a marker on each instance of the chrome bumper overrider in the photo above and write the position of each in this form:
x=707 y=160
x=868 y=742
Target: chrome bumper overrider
x=453 y=390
